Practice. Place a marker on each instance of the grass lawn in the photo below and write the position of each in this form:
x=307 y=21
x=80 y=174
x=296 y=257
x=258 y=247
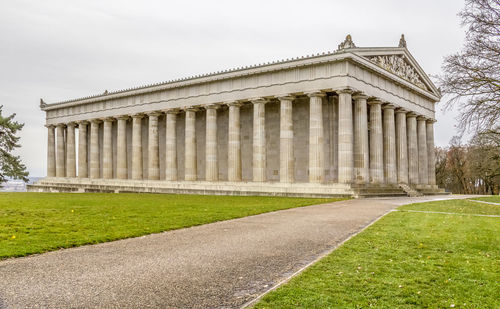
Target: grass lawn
x=39 y=222
x=406 y=260
x=493 y=199
x=455 y=206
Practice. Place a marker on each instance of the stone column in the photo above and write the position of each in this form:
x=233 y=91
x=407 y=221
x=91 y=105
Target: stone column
x=190 y=168
x=334 y=160
x=423 y=166
x=361 y=148
x=153 y=147
x=376 y=143
x=390 y=170
x=234 y=143
x=411 y=127
x=107 y=149
x=61 y=153
x=82 y=150
x=121 y=148
x=259 y=140
x=431 y=160
x=70 y=151
x=211 y=158
x=401 y=146
x=94 y=149
x=346 y=158
x=316 y=138
x=287 y=160
x=171 y=145
x=137 y=146
x=51 y=151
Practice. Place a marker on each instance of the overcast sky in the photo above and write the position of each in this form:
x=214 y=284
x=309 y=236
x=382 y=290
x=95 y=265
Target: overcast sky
x=58 y=50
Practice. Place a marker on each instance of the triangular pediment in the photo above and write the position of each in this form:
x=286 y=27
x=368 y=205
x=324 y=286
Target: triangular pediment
x=399 y=65
x=399 y=62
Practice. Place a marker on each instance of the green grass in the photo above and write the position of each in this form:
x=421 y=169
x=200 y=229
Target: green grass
x=455 y=206
x=39 y=222
x=493 y=199
x=407 y=260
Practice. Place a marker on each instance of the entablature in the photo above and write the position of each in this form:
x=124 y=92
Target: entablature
x=392 y=69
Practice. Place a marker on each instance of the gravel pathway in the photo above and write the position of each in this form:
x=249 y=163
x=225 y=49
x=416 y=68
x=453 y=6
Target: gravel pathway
x=218 y=265
x=484 y=202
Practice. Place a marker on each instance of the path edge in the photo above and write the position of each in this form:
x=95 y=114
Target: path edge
x=317 y=259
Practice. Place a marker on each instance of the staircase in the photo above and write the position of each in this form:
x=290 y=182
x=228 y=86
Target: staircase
x=381 y=190
x=409 y=191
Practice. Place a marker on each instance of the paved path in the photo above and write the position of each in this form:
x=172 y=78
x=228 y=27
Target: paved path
x=219 y=265
x=484 y=202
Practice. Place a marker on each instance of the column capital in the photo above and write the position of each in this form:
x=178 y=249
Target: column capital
x=316 y=93
x=172 y=111
x=62 y=125
x=388 y=106
x=411 y=115
x=71 y=124
x=95 y=120
x=345 y=90
x=191 y=109
x=400 y=110
x=49 y=126
x=212 y=106
x=82 y=122
x=233 y=103
x=154 y=113
x=374 y=101
x=421 y=118
x=431 y=120
x=107 y=119
x=259 y=100
x=122 y=117
x=137 y=116
x=285 y=97
x=359 y=96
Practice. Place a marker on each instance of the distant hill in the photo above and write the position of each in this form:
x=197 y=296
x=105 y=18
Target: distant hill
x=15 y=185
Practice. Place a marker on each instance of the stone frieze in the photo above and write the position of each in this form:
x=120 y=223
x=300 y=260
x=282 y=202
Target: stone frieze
x=398 y=66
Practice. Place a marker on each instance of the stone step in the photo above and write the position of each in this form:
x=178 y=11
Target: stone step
x=364 y=190
x=409 y=191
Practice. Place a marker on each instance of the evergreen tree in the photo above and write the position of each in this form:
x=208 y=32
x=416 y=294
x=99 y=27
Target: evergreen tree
x=10 y=165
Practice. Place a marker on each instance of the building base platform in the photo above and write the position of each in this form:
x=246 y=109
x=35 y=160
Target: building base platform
x=56 y=184
x=81 y=185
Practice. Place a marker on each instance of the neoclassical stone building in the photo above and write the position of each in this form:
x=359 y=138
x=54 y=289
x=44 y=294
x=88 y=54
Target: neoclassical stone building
x=360 y=119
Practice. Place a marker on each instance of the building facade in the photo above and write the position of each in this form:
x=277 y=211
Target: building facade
x=321 y=125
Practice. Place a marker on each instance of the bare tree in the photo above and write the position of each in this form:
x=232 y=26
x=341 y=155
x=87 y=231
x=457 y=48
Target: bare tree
x=471 y=77
x=484 y=158
x=473 y=168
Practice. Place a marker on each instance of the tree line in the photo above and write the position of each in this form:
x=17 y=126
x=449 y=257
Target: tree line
x=470 y=168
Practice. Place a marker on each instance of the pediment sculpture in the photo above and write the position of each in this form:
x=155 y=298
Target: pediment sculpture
x=397 y=65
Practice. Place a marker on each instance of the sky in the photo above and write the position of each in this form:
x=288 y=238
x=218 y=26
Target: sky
x=58 y=50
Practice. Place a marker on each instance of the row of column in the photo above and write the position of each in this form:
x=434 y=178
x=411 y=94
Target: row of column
x=398 y=146
x=395 y=146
